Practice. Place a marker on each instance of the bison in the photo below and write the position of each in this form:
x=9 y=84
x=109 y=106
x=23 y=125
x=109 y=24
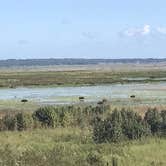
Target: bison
x=24 y=100
x=81 y=98
x=132 y=96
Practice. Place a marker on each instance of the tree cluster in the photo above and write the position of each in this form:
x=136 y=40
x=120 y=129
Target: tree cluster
x=129 y=125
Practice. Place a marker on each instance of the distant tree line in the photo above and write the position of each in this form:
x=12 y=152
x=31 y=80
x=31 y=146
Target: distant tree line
x=71 y=61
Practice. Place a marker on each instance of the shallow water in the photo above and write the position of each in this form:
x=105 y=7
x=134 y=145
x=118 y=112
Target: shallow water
x=60 y=95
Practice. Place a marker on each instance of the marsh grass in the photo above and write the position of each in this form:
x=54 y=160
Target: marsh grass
x=78 y=77
x=74 y=146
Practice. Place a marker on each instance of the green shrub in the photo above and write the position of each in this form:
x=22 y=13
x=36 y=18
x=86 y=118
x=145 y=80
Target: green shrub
x=163 y=124
x=47 y=116
x=67 y=120
x=106 y=131
x=120 y=125
x=9 y=122
x=24 y=121
x=135 y=130
x=153 y=118
x=163 y=116
x=2 y=125
x=80 y=116
x=94 y=158
x=133 y=125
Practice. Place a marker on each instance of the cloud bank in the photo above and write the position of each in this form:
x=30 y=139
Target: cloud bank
x=146 y=30
x=134 y=32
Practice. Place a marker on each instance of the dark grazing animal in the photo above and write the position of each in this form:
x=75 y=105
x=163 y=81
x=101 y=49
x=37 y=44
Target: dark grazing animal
x=24 y=100
x=100 y=102
x=81 y=98
x=132 y=96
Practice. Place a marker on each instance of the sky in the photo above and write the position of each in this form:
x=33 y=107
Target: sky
x=82 y=29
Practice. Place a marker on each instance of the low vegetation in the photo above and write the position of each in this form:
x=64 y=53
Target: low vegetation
x=75 y=147
x=78 y=77
x=83 y=136
x=107 y=127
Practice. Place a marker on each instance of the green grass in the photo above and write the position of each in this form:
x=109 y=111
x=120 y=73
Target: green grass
x=72 y=146
x=151 y=153
x=77 y=77
x=13 y=106
x=139 y=105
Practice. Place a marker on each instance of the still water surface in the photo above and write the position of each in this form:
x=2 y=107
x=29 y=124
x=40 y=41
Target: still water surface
x=91 y=93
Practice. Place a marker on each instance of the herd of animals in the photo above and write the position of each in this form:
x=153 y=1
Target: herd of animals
x=81 y=98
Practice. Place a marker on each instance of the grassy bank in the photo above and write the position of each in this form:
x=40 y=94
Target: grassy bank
x=78 y=77
x=73 y=146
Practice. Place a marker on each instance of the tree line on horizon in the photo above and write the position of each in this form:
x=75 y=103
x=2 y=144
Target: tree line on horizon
x=72 y=61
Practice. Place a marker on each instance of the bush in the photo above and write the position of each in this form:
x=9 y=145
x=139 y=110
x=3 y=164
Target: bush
x=154 y=119
x=163 y=123
x=9 y=122
x=24 y=121
x=106 y=131
x=120 y=125
x=47 y=116
x=95 y=159
x=135 y=130
x=67 y=120
x=133 y=125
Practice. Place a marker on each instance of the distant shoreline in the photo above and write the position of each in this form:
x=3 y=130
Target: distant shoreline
x=74 y=61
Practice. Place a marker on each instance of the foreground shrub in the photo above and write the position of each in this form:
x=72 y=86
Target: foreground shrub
x=114 y=127
x=105 y=131
x=67 y=119
x=163 y=122
x=133 y=125
x=119 y=125
x=24 y=121
x=9 y=122
x=47 y=116
x=154 y=119
x=94 y=158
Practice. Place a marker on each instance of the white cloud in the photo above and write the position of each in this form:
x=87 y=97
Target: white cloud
x=146 y=29
x=161 y=30
x=131 y=32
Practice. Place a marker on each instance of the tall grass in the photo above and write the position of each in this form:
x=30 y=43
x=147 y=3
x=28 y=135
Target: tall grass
x=74 y=147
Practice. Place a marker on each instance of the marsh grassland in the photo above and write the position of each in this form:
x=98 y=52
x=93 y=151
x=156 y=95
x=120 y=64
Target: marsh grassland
x=73 y=146
x=81 y=75
x=107 y=128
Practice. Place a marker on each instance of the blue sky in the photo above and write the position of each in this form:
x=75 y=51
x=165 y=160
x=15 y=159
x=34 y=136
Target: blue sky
x=82 y=29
